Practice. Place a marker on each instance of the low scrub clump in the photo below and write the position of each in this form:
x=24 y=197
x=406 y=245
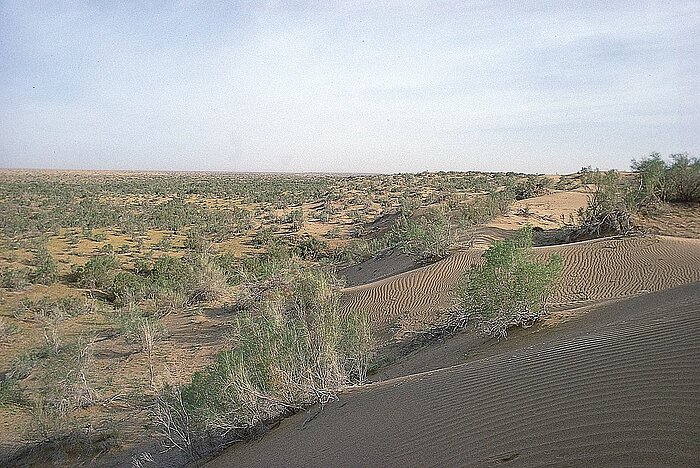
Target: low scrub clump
x=531 y=186
x=14 y=279
x=609 y=209
x=429 y=236
x=509 y=289
x=98 y=272
x=171 y=282
x=10 y=393
x=45 y=268
x=290 y=350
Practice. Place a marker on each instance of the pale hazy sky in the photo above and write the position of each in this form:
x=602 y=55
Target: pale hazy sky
x=364 y=86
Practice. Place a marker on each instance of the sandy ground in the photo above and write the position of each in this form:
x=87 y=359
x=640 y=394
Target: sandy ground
x=593 y=271
x=610 y=377
x=617 y=386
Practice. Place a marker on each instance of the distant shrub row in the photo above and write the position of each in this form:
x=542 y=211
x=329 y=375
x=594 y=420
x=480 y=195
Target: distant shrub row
x=430 y=235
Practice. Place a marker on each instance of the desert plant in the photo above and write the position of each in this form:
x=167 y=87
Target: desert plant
x=610 y=207
x=296 y=219
x=10 y=393
x=674 y=181
x=134 y=324
x=683 y=178
x=98 y=272
x=149 y=333
x=45 y=267
x=173 y=422
x=15 y=279
x=428 y=236
x=652 y=179
x=65 y=387
x=128 y=288
x=7 y=329
x=50 y=313
x=508 y=289
x=309 y=247
x=293 y=350
x=209 y=281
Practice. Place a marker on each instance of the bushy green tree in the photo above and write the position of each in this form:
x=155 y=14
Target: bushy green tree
x=98 y=272
x=674 y=181
x=509 y=289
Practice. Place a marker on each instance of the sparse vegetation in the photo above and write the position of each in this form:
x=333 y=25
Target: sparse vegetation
x=239 y=267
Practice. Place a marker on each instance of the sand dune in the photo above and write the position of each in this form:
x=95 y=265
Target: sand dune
x=619 y=385
x=593 y=270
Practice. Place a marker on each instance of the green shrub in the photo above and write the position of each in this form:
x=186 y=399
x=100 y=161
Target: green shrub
x=428 y=236
x=48 y=308
x=485 y=208
x=209 y=281
x=23 y=364
x=610 y=206
x=683 y=179
x=15 y=279
x=292 y=350
x=45 y=267
x=651 y=172
x=660 y=181
x=509 y=289
x=310 y=248
x=128 y=288
x=171 y=273
x=531 y=187
x=10 y=393
x=98 y=272
x=7 y=329
x=296 y=219
x=130 y=324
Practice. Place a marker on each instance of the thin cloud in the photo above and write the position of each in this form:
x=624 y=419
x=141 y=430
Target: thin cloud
x=348 y=86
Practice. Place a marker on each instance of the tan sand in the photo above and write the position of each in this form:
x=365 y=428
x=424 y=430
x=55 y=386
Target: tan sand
x=593 y=271
x=617 y=386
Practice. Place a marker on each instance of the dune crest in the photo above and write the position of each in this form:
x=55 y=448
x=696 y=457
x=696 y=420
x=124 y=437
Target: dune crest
x=593 y=270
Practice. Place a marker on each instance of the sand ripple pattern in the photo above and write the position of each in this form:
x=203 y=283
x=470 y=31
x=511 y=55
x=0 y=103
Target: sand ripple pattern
x=624 y=390
x=593 y=270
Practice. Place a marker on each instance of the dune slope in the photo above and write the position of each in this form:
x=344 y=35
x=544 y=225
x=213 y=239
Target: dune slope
x=593 y=271
x=621 y=385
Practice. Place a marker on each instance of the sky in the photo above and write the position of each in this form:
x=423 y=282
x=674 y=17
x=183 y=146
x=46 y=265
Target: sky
x=365 y=86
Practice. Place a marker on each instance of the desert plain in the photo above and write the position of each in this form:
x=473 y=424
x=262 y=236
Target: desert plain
x=131 y=305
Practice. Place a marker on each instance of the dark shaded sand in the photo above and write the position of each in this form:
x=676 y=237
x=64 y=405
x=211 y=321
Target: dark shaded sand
x=619 y=385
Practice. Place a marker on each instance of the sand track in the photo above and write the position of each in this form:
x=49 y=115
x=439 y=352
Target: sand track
x=593 y=271
x=619 y=386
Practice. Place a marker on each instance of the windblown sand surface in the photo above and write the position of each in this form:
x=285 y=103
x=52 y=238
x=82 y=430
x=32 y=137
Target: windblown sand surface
x=593 y=271
x=617 y=386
